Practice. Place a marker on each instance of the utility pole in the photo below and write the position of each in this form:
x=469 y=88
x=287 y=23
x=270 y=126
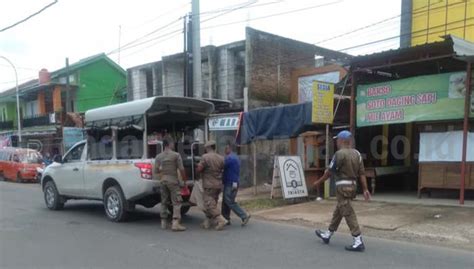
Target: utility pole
x=119 y=41
x=185 y=57
x=196 y=34
x=68 y=88
x=18 y=120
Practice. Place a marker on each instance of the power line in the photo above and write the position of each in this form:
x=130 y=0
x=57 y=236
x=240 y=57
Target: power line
x=274 y=15
x=29 y=17
x=357 y=30
x=235 y=22
x=418 y=11
x=423 y=30
x=146 y=35
x=168 y=12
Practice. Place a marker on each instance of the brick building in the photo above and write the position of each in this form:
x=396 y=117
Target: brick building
x=262 y=63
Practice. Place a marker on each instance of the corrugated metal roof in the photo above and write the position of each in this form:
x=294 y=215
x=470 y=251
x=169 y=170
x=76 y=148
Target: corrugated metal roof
x=460 y=48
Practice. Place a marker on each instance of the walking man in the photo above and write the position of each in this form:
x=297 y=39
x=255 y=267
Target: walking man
x=231 y=186
x=167 y=165
x=211 y=167
x=346 y=166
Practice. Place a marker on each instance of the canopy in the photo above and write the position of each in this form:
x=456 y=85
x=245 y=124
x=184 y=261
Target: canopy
x=274 y=122
x=153 y=106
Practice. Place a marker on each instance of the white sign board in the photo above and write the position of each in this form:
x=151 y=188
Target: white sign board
x=445 y=147
x=288 y=175
x=223 y=123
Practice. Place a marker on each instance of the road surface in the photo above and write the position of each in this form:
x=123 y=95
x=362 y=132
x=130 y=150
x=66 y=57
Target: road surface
x=31 y=236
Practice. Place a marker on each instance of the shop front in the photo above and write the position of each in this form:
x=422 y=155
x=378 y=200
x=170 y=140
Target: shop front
x=412 y=113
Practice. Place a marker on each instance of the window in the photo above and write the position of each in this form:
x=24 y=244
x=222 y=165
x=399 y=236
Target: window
x=75 y=154
x=129 y=143
x=32 y=108
x=100 y=143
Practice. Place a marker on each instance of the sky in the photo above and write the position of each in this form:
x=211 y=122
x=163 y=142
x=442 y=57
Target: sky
x=149 y=29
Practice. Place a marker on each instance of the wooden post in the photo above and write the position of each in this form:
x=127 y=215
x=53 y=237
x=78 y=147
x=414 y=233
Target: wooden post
x=254 y=150
x=326 y=163
x=352 y=120
x=467 y=100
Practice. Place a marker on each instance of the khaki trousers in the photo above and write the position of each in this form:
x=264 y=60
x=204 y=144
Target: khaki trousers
x=211 y=197
x=345 y=194
x=170 y=192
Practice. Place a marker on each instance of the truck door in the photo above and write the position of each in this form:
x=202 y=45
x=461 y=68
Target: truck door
x=71 y=172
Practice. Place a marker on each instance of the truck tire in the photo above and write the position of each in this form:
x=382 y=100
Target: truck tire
x=184 y=210
x=51 y=196
x=115 y=204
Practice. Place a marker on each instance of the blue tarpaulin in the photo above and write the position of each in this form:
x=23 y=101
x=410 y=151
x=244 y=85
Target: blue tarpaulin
x=274 y=122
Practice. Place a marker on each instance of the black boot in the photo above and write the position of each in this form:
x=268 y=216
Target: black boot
x=325 y=236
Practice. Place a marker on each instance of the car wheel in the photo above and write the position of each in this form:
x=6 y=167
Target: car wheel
x=115 y=204
x=2 y=178
x=51 y=196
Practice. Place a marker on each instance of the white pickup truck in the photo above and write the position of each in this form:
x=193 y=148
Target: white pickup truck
x=115 y=164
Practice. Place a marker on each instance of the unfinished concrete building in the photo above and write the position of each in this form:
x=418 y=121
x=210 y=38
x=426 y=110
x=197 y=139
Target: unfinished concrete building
x=262 y=63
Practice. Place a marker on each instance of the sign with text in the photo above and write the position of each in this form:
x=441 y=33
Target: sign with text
x=323 y=102
x=288 y=175
x=223 y=123
x=72 y=135
x=432 y=97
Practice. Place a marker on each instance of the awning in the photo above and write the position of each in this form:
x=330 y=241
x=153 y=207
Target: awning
x=274 y=122
x=151 y=106
x=39 y=130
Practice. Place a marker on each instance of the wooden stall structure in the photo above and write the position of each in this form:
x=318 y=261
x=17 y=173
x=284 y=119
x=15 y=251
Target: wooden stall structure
x=384 y=103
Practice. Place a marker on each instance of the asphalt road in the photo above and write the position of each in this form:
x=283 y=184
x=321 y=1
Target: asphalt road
x=31 y=236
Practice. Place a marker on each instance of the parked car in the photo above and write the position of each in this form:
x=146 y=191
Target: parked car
x=19 y=164
x=116 y=163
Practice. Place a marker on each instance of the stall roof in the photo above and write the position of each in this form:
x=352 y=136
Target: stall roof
x=451 y=46
x=152 y=106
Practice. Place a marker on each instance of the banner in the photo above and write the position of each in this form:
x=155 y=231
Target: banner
x=323 y=102
x=72 y=135
x=423 y=98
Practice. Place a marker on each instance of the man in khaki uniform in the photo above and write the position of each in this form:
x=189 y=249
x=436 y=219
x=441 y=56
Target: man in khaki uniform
x=211 y=168
x=346 y=166
x=167 y=165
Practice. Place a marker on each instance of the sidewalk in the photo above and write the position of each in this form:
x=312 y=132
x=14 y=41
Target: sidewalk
x=451 y=226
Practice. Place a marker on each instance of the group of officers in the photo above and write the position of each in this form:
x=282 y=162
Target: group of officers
x=218 y=174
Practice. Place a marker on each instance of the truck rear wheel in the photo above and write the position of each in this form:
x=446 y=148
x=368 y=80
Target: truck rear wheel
x=115 y=204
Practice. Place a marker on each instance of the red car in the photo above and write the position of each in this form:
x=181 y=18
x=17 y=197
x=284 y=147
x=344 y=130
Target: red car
x=20 y=165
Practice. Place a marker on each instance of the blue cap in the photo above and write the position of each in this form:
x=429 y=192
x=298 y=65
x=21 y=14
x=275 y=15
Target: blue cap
x=343 y=135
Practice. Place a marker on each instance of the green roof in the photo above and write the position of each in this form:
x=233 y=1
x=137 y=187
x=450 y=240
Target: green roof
x=86 y=61
x=60 y=72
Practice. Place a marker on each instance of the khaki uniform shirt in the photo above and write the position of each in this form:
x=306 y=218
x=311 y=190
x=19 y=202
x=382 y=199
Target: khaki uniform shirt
x=169 y=162
x=213 y=165
x=347 y=164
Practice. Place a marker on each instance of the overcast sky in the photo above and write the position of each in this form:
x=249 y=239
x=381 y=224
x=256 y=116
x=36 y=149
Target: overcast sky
x=80 y=28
